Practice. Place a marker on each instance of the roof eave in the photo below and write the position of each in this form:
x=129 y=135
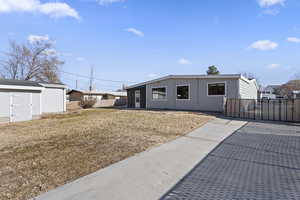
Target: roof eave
x=17 y=87
x=53 y=85
x=230 y=76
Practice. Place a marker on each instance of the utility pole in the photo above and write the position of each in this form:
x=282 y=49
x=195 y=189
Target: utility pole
x=91 y=79
x=76 y=84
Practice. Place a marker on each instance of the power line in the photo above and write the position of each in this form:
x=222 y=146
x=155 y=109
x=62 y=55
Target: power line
x=99 y=79
x=97 y=83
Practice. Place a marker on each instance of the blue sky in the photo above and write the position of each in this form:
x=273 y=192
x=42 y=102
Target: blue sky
x=138 y=40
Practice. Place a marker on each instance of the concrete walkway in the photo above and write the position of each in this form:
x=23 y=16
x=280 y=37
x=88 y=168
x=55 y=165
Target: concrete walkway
x=150 y=174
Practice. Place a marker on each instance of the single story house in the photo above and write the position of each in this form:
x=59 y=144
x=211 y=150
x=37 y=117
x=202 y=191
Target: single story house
x=296 y=94
x=270 y=92
x=103 y=99
x=77 y=95
x=26 y=100
x=191 y=92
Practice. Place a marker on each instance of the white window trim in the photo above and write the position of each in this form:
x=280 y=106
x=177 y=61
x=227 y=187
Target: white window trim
x=225 y=85
x=189 y=85
x=166 y=99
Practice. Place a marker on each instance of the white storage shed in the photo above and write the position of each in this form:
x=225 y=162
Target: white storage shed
x=53 y=98
x=27 y=100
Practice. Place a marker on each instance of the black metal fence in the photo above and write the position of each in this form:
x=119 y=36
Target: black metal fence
x=274 y=109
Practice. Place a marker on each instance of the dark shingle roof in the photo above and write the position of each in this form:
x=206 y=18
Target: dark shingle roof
x=19 y=83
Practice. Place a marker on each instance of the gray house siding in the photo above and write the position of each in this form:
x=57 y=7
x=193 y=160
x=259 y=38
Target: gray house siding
x=199 y=99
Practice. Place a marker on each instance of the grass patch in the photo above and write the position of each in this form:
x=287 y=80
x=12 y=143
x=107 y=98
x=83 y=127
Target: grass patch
x=39 y=155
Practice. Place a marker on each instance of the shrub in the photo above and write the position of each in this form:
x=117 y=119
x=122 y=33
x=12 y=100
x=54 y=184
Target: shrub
x=87 y=103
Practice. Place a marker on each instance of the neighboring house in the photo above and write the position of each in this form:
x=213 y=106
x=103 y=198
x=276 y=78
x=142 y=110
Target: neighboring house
x=270 y=92
x=296 y=94
x=191 y=92
x=26 y=100
x=103 y=99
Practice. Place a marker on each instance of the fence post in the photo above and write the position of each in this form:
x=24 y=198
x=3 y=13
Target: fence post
x=248 y=115
x=239 y=108
x=234 y=105
x=279 y=110
x=273 y=110
x=262 y=109
x=286 y=110
x=225 y=104
x=254 y=109
x=293 y=104
x=268 y=109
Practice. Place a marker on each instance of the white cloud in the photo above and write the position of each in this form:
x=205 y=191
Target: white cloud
x=37 y=38
x=105 y=2
x=184 y=61
x=264 y=45
x=56 y=10
x=269 y=3
x=273 y=66
x=293 y=39
x=136 y=32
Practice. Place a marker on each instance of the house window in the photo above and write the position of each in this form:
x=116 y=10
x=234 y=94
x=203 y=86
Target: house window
x=159 y=93
x=183 y=92
x=216 y=89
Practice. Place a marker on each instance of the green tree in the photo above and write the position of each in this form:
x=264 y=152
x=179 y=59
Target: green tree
x=212 y=70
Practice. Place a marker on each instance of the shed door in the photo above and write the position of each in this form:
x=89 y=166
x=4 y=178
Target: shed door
x=21 y=106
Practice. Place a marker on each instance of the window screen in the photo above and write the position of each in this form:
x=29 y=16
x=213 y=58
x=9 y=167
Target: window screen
x=159 y=93
x=183 y=92
x=216 y=89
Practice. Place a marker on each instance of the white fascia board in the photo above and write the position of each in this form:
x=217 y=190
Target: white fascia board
x=148 y=82
x=17 y=87
x=225 y=76
x=46 y=85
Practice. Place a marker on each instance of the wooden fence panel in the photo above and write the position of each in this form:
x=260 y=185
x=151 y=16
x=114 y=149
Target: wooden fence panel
x=297 y=110
x=276 y=110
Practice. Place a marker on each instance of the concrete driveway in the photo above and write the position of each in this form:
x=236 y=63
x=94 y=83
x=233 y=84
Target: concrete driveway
x=259 y=161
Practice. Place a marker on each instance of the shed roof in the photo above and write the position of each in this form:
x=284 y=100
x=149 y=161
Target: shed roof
x=19 y=83
x=26 y=85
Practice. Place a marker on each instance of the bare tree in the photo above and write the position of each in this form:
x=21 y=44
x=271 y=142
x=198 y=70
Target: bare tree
x=31 y=61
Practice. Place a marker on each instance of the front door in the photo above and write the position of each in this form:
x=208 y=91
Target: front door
x=137 y=99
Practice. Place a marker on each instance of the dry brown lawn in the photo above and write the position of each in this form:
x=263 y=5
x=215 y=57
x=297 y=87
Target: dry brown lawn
x=39 y=155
